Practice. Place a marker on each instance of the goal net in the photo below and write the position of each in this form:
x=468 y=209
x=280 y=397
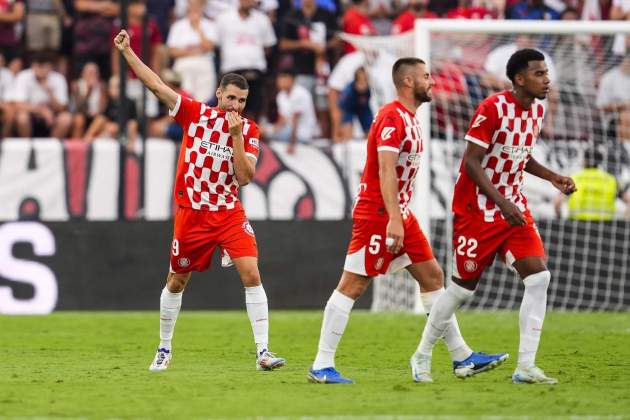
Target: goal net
x=588 y=254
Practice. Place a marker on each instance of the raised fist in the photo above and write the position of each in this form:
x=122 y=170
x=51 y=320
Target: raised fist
x=122 y=40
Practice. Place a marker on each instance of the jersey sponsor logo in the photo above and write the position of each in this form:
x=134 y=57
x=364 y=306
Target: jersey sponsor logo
x=253 y=142
x=470 y=266
x=386 y=132
x=248 y=228
x=478 y=120
x=217 y=150
x=517 y=152
x=183 y=262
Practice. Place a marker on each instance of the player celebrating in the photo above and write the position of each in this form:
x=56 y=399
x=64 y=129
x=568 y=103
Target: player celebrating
x=218 y=155
x=386 y=234
x=490 y=211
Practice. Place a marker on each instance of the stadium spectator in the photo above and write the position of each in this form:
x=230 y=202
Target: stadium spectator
x=136 y=28
x=597 y=192
x=440 y=7
x=296 y=122
x=7 y=108
x=161 y=11
x=354 y=102
x=490 y=211
x=307 y=33
x=94 y=22
x=44 y=24
x=382 y=13
x=468 y=9
x=356 y=21
x=210 y=216
x=11 y=15
x=245 y=38
x=416 y=9
x=620 y=10
x=333 y=6
x=451 y=100
x=164 y=125
x=341 y=76
x=191 y=44
x=41 y=97
x=386 y=236
x=613 y=98
x=88 y=98
x=106 y=125
x=532 y=10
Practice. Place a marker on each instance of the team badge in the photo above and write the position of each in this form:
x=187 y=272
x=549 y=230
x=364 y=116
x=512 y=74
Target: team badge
x=183 y=262
x=248 y=228
x=470 y=266
x=379 y=263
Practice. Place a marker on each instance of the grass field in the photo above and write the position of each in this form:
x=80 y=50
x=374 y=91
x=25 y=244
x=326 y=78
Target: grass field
x=95 y=365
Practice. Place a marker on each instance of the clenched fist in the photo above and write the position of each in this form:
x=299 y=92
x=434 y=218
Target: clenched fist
x=122 y=40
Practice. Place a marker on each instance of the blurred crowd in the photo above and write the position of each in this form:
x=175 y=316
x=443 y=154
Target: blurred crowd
x=60 y=75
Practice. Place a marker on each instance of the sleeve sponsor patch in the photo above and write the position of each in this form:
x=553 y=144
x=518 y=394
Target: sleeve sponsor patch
x=480 y=118
x=386 y=132
x=253 y=142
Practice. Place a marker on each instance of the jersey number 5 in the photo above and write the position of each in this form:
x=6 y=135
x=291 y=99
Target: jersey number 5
x=462 y=243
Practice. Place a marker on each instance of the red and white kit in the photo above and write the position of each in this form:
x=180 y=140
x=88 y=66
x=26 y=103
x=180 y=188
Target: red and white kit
x=209 y=212
x=508 y=133
x=394 y=129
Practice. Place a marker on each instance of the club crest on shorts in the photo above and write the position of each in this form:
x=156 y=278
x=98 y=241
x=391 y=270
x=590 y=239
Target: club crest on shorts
x=470 y=266
x=183 y=262
x=379 y=263
x=248 y=228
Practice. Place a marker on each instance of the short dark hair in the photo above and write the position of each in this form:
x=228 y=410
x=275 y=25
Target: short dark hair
x=593 y=157
x=398 y=71
x=43 y=57
x=234 y=79
x=520 y=60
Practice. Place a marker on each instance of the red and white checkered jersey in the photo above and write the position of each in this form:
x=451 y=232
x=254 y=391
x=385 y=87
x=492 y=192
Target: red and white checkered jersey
x=205 y=177
x=395 y=129
x=508 y=133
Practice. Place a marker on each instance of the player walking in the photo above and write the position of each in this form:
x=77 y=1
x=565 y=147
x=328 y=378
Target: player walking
x=490 y=211
x=385 y=233
x=218 y=155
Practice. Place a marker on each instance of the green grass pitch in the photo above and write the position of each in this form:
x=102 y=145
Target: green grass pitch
x=94 y=365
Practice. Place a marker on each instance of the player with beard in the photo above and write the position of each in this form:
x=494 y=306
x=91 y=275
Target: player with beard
x=386 y=236
x=490 y=214
x=218 y=155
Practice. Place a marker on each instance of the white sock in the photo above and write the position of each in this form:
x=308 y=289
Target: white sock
x=455 y=343
x=170 y=303
x=336 y=315
x=258 y=313
x=441 y=316
x=532 y=316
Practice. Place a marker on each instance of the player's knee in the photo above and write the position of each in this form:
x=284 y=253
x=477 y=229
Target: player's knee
x=250 y=277
x=540 y=279
x=176 y=283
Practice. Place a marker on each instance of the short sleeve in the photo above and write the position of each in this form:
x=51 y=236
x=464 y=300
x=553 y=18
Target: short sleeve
x=268 y=35
x=389 y=132
x=251 y=137
x=185 y=111
x=483 y=125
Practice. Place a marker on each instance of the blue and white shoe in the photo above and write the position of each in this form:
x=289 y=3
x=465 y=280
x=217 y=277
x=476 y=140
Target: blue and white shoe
x=478 y=362
x=267 y=360
x=161 y=361
x=421 y=368
x=328 y=375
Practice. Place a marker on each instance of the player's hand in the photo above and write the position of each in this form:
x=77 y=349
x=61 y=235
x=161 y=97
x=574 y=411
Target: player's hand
x=236 y=124
x=121 y=41
x=564 y=183
x=395 y=235
x=512 y=214
x=291 y=148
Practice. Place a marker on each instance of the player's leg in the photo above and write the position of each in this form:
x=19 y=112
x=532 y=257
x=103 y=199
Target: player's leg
x=431 y=279
x=536 y=279
x=257 y=309
x=336 y=315
x=170 y=305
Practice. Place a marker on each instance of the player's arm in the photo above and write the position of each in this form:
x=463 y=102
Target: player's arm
x=151 y=80
x=244 y=166
x=389 y=190
x=472 y=165
x=563 y=183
